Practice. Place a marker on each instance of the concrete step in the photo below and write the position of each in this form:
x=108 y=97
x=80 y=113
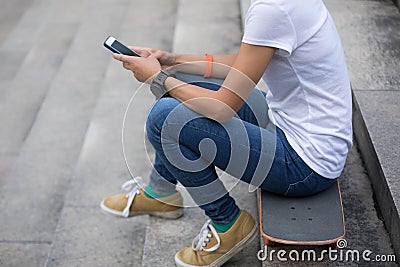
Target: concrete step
x=85 y=236
x=21 y=22
x=10 y=13
x=22 y=97
x=208 y=27
x=32 y=197
x=220 y=35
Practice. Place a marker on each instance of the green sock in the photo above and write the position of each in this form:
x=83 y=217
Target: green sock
x=222 y=228
x=150 y=193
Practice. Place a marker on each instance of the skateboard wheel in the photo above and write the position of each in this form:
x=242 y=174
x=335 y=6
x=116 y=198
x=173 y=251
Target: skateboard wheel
x=269 y=242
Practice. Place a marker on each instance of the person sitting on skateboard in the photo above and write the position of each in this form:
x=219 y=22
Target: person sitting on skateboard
x=293 y=141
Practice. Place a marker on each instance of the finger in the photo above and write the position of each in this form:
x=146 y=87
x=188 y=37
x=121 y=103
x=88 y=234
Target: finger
x=126 y=65
x=117 y=56
x=120 y=57
x=145 y=53
x=140 y=49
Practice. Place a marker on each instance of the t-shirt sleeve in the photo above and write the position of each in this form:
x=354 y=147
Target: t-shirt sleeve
x=268 y=24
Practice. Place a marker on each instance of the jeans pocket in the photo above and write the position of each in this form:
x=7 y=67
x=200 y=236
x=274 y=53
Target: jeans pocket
x=312 y=184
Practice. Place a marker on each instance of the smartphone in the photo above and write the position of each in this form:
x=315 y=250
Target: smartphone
x=117 y=47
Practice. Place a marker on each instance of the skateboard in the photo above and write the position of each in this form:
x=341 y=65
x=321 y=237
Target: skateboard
x=312 y=220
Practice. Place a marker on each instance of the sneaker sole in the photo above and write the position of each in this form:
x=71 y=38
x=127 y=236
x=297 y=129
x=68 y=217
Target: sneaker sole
x=175 y=214
x=224 y=258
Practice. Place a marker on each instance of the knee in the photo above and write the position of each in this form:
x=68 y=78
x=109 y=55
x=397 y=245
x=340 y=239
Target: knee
x=157 y=116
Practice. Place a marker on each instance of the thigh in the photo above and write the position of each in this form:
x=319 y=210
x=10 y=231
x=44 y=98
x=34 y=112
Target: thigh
x=255 y=109
x=310 y=185
x=290 y=175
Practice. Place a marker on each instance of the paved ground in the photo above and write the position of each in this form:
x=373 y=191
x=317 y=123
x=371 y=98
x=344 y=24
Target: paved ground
x=62 y=100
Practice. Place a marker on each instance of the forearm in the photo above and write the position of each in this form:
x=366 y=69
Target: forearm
x=221 y=59
x=206 y=102
x=241 y=78
x=220 y=105
x=197 y=64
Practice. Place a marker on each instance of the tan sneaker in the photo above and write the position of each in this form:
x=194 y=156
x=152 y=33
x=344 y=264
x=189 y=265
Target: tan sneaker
x=135 y=202
x=211 y=248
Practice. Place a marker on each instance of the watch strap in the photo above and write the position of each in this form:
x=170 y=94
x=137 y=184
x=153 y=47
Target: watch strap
x=157 y=85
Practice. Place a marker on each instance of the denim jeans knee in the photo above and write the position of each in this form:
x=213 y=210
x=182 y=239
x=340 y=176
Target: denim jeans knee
x=156 y=117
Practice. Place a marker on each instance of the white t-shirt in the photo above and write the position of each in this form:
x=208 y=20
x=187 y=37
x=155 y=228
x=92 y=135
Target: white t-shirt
x=309 y=90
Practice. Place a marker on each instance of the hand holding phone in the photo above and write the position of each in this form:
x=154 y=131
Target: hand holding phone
x=117 y=47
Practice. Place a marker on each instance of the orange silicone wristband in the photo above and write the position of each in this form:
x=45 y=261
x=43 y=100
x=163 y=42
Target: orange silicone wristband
x=209 y=59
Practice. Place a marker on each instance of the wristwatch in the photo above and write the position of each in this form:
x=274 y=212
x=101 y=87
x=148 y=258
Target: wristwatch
x=157 y=85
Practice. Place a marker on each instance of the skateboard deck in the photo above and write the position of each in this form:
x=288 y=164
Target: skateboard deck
x=312 y=220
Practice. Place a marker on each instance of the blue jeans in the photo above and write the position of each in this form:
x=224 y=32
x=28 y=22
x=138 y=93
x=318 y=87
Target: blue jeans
x=188 y=148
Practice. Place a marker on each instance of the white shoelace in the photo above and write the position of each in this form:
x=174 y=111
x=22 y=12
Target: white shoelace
x=204 y=237
x=132 y=187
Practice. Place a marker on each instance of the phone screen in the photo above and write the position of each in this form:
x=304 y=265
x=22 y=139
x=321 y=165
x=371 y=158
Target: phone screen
x=123 y=49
